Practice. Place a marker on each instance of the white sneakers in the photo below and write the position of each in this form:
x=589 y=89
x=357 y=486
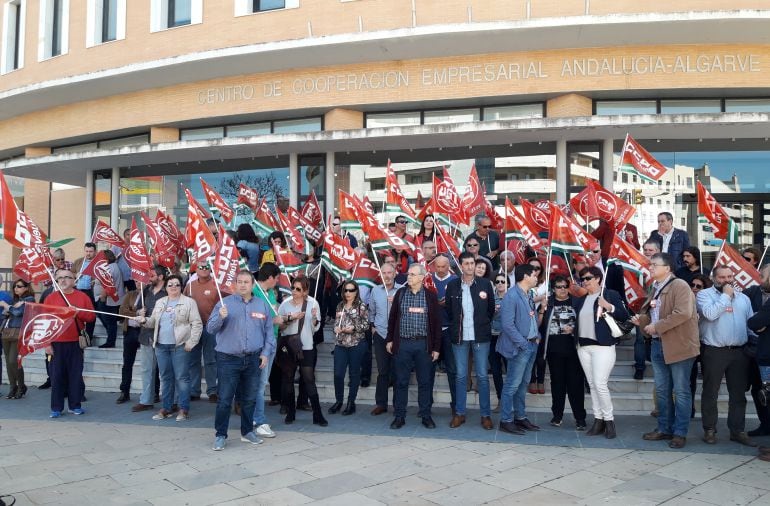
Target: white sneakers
x=264 y=430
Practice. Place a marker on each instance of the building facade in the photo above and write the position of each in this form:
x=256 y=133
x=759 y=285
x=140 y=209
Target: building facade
x=125 y=102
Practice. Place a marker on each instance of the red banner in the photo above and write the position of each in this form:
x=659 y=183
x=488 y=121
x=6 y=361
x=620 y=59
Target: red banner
x=311 y=210
x=99 y=269
x=595 y=201
x=18 y=228
x=166 y=223
x=366 y=273
x=517 y=226
x=635 y=292
x=136 y=256
x=724 y=226
x=31 y=266
x=446 y=200
x=216 y=201
x=634 y=158
x=226 y=262
x=474 y=200
x=248 y=197
x=290 y=231
x=349 y=211
x=42 y=325
x=395 y=199
x=630 y=258
x=198 y=207
x=197 y=235
x=567 y=235
x=535 y=216
x=105 y=233
x=164 y=249
x=744 y=273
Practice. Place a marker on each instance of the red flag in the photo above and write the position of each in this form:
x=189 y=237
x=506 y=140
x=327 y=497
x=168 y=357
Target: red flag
x=420 y=202
x=136 y=255
x=535 y=216
x=31 y=266
x=165 y=251
x=197 y=235
x=337 y=256
x=629 y=258
x=226 y=262
x=474 y=200
x=166 y=223
x=637 y=160
x=311 y=210
x=42 y=325
x=595 y=201
x=497 y=221
x=349 y=211
x=395 y=199
x=290 y=230
x=428 y=283
x=445 y=243
x=519 y=250
x=567 y=235
x=198 y=207
x=99 y=269
x=635 y=292
x=104 y=233
x=446 y=200
x=517 y=227
x=248 y=197
x=381 y=238
x=264 y=219
x=366 y=204
x=744 y=273
x=216 y=201
x=724 y=226
x=18 y=228
x=366 y=273
x=306 y=227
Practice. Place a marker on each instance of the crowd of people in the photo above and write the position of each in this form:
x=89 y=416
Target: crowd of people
x=468 y=316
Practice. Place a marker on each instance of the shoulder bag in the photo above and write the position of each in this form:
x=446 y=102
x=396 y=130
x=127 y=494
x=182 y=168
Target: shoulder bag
x=83 y=338
x=294 y=341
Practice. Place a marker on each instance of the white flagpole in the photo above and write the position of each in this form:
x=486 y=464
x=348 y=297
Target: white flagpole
x=267 y=299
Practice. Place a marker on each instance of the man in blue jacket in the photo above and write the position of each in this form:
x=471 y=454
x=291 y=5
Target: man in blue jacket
x=672 y=240
x=518 y=343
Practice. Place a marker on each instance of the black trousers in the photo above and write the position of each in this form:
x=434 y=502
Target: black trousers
x=275 y=383
x=496 y=366
x=385 y=371
x=733 y=365
x=538 y=371
x=66 y=375
x=288 y=366
x=755 y=383
x=90 y=325
x=130 y=347
x=566 y=381
x=366 y=361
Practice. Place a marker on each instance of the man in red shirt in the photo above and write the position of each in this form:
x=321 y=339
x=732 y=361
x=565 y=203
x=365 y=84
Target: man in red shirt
x=67 y=363
x=203 y=291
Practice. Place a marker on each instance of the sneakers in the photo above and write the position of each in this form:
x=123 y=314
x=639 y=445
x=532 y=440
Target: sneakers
x=162 y=415
x=264 y=430
x=183 y=415
x=77 y=411
x=556 y=422
x=219 y=443
x=251 y=438
x=55 y=414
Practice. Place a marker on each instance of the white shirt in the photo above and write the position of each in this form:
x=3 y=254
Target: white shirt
x=666 y=240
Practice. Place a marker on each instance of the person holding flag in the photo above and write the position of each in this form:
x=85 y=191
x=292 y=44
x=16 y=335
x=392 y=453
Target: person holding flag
x=67 y=362
x=14 y=311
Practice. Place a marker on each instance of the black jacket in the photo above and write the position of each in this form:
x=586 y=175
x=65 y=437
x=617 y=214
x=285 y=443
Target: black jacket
x=760 y=320
x=483 y=297
x=603 y=334
x=433 y=332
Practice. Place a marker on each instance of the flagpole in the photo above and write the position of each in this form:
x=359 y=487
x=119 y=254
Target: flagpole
x=57 y=287
x=760 y=260
x=548 y=269
x=141 y=292
x=318 y=277
x=267 y=299
x=216 y=283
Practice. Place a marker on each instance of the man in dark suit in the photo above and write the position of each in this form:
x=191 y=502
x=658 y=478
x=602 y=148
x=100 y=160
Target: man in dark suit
x=672 y=240
x=759 y=295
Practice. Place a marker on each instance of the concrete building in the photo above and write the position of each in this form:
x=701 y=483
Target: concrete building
x=123 y=101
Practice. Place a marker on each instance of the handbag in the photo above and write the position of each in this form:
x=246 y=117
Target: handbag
x=619 y=329
x=294 y=341
x=83 y=338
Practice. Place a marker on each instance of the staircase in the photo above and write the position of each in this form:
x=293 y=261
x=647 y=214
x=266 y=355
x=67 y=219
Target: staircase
x=102 y=372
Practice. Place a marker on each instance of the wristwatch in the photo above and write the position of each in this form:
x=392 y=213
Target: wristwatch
x=288 y=317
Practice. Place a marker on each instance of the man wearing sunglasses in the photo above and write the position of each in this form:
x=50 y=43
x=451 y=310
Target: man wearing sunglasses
x=203 y=290
x=488 y=239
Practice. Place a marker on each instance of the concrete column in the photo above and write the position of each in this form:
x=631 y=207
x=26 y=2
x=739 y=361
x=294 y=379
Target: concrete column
x=293 y=179
x=562 y=181
x=331 y=165
x=115 y=199
x=89 y=202
x=608 y=172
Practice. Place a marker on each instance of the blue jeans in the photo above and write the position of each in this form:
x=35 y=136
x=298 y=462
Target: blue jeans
x=259 y=407
x=350 y=359
x=204 y=347
x=412 y=354
x=515 y=384
x=239 y=374
x=147 y=359
x=764 y=373
x=640 y=351
x=672 y=387
x=174 y=366
x=480 y=361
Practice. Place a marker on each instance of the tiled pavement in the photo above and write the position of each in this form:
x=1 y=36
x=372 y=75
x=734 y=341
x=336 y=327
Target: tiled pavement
x=113 y=456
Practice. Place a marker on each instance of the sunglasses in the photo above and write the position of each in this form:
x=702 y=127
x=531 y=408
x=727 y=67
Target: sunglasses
x=472 y=245
x=588 y=278
x=748 y=259
x=483 y=226
x=538 y=268
x=350 y=290
x=58 y=259
x=562 y=287
x=20 y=286
x=500 y=282
x=336 y=224
x=297 y=289
x=204 y=268
x=401 y=222
x=173 y=285
x=697 y=286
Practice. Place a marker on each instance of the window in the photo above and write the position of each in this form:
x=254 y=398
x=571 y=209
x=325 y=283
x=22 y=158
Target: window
x=134 y=140
x=199 y=134
x=747 y=105
x=509 y=112
x=246 y=7
x=106 y=21
x=12 y=57
x=297 y=126
x=690 y=106
x=617 y=107
x=393 y=119
x=248 y=130
x=54 y=27
x=167 y=14
x=451 y=116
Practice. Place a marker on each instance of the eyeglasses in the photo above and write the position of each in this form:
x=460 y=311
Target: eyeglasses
x=748 y=259
x=413 y=274
x=297 y=289
x=483 y=226
x=20 y=286
x=204 y=268
x=475 y=245
x=561 y=287
x=588 y=278
x=401 y=222
x=64 y=277
x=336 y=224
x=173 y=285
x=350 y=290
x=58 y=259
x=500 y=282
x=697 y=286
